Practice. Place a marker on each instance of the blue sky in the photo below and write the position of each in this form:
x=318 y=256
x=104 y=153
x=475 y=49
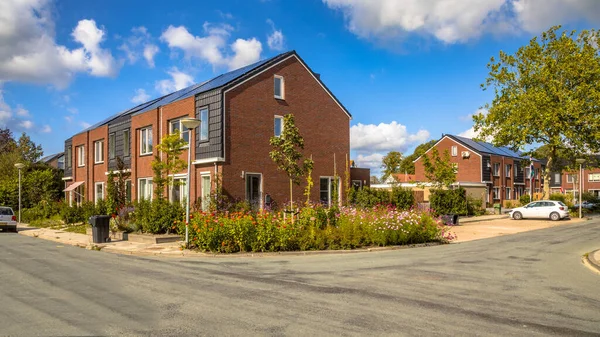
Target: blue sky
x=408 y=70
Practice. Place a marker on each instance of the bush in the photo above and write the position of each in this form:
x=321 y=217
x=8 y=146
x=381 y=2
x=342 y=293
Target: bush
x=157 y=216
x=43 y=210
x=398 y=197
x=525 y=199
x=449 y=201
x=475 y=206
x=402 y=198
x=72 y=215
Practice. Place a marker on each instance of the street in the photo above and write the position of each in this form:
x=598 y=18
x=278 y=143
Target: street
x=531 y=283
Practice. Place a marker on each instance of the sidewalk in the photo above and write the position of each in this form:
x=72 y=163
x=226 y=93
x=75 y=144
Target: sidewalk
x=594 y=259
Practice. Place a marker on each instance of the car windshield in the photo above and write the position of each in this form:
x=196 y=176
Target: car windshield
x=6 y=211
x=561 y=203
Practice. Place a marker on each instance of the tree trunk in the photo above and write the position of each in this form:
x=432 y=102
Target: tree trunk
x=291 y=201
x=547 y=172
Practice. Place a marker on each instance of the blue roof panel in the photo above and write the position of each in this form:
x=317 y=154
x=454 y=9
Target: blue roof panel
x=488 y=148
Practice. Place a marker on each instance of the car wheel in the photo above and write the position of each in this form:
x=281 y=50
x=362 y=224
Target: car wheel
x=554 y=216
x=517 y=216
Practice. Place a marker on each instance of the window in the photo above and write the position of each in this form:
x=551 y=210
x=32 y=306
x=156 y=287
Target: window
x=496 y=169
x=126 y=143
x=99 y=152
x=128 y=190
x=80 y=156
x=178 y=190
x=112 y=145
x=508 y=170
x=278 y=126
x=327 y=187
x=454 y=151
x=69 y=157
x=279 y=87
x=99 y=187
x=496 y=193
x=175 y=126
x=205 y=192
x=516 y=170
x=145 y=189
x=508 y=196
x=594 y=177
x=528 y=172
x=557 y=178
x=146 y=141
x=571 y=178
x=203 y=124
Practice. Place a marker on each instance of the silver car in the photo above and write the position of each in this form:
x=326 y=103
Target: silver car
x=542 y=209
x=8 y=220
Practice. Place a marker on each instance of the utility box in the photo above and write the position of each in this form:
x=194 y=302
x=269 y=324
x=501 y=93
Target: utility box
x=100 y=228
x=498 y=208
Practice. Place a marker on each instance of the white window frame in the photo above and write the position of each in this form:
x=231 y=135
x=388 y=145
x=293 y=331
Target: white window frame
x=146 y=142
x=454 y=150
x=556 y=178
x=206 y=203
x=507 y=194
x=496 y=193
x=496 y=170
x=593 y=177
x=182 y=189
x=148 y=182
x=126 y=143
x=277 y=118
x=183 y=134
x=96 y=199
x=203 y=130
x=508 y=169
x=282 y=87
x=571 y=178
x=329 y=190
x=81 y=156
x=99 y=152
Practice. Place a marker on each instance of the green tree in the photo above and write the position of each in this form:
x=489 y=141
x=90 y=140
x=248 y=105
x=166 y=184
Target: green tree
x=29 y=151
x=407 y=165
x=287 y=155
x=440 y=171
x=391 y=164
x=171 y=147
x=546 y=93
x=116 y=187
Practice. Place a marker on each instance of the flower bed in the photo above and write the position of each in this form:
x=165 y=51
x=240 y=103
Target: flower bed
x=316 y=228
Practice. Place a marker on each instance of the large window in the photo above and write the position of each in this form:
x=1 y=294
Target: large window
x=99 y=188
x=178 y=190
x=594 y=177
x=496 y=169
x=126 y=143
x=175 y=125
x=205 y=191
x=278 y=125
x=99 y=152
x=145 y=189
x=80 y=156
x=146 y=141
x=69 y=157
x=327 y=187
x=112 y=146
x=508 y=170
x=454 y=151
x=496 y=193
x=203 y=124
x=508 y=196
x=279 y=87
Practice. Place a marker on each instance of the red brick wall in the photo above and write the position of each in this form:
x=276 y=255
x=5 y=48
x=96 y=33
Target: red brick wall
x=141 y=165
x=250 y=111
x=97 y=171
x=469 y=169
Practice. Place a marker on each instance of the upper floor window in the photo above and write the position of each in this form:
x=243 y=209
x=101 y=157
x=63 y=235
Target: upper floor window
x=175 y=125
x=112 y=146
x=99 y=152
x=279 y=87
x=496 y=169
x=594 y=177
x=571 y=178
x=146 y=141
x=69 y=157
x=508 y=169
x=126 y=143
x=556 y=178
x=454 y=151
x=203 y=124
x=516 y=170
x=81 y=156
x=278 y=125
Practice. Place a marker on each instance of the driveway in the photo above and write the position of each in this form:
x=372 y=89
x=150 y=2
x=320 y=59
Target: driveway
x=529 y=283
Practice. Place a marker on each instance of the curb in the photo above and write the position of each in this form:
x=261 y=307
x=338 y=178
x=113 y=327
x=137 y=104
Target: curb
x=592 y=260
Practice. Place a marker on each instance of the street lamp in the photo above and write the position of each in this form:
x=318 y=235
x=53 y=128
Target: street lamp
x=580 y=161
x=190 y=124
x=19 y=166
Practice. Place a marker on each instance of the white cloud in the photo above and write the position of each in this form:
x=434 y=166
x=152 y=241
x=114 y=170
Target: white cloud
x=34 y=56
x=26 y=124
x=178 y=80
x=149 y=51
x=69 y=119
x=456 y=21
x=372 y=161
x=140 y=96
x=46 y=129
x=470 y=133
x=85 y=125
x=211 y=47
x=15 y=119
x=21 y=112
x=74 y=111
x=275 y=39
x=139 y=44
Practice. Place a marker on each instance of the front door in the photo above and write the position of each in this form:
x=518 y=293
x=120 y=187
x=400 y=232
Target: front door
x=253 y=190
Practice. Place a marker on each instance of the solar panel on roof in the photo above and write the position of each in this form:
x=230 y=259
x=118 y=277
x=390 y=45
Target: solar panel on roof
x=488 y=148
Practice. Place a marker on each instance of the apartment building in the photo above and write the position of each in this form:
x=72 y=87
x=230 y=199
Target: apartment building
x=239 y=112
x=568 y=182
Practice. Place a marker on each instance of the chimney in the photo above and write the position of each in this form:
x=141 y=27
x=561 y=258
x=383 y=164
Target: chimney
x=317 y=75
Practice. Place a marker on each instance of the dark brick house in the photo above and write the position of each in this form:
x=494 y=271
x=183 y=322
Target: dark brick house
x=239 y=112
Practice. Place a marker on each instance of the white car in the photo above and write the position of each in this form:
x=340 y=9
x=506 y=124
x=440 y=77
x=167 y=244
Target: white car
x=8 y=220
x=542 y=209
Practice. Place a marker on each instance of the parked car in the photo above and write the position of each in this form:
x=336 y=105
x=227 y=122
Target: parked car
x=8 y=220
x=585 y=204
x=542 y=209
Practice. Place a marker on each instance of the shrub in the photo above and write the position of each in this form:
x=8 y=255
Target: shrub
x=72 y=215
x=449 y=201
x=558 y=197
x=402 y=198
x=365 y=197
x=157 y=216
x=42 y=210
x=525 y=199
x=475 y=206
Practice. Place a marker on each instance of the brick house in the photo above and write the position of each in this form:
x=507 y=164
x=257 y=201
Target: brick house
x=568 y=182
x=239 y=112
x=503 y=172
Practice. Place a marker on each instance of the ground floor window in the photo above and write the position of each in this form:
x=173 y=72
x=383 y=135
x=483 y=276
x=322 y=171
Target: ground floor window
x=596 y=193
x=178 y=191
x=254 y=190
x=99 y=187
x=357 y=184
x=145 y=189
x=328 y=190
x=128 y=190
x=496 y=193
x=508 y=196
x=76 y=196
x=205 y=185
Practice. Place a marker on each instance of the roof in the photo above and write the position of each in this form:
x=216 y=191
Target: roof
x=214 y=83
x=51 y=157
x=485 y=147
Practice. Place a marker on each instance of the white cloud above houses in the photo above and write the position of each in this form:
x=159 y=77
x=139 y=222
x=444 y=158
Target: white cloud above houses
x=140 y=45
x=178 y=80
x=16 y=119
x=275 y=40
x=140 y=96
x=458 y=21
x=211 y=47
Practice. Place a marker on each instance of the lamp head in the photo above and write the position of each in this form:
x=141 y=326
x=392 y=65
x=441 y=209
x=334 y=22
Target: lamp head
x=580 y=160
x=19 y=165
x=190 y=123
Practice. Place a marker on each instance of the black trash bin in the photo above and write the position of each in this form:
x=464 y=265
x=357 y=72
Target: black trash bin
x=100 y=228
x=450 y=219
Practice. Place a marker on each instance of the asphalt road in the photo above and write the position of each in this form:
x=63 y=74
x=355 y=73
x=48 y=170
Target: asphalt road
x=524 y=284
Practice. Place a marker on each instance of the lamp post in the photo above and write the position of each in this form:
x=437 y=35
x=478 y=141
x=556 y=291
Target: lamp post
x=190 y=124
x=19 y=166
x=580 y=161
